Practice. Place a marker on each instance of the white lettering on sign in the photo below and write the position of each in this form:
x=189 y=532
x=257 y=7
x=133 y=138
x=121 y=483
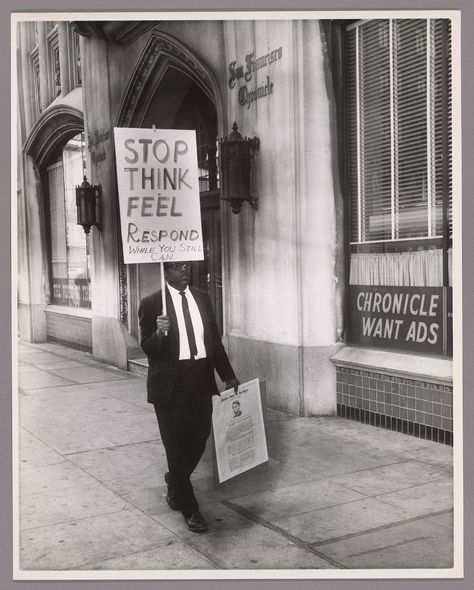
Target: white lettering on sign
x=398 y=303
x=382 y=327
x=158 y=189
x=408 y=318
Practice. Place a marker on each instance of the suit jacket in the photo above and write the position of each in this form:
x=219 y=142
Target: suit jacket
x=163 y=351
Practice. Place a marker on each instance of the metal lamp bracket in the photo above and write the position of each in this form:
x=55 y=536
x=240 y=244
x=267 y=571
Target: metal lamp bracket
x=254 y=144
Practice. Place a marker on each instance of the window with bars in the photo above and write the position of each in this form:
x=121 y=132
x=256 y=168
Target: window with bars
x=70 y=272
x=399 y=185
x=399 y=113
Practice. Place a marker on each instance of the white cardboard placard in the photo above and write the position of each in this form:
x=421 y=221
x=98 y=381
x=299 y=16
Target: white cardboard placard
x=158 y=187
x=239 y=430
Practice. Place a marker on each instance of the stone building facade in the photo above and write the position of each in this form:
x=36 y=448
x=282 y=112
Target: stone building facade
x=351 y=200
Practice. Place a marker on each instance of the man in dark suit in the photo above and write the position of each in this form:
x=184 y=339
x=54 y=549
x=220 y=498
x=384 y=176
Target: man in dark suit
x=183 y=349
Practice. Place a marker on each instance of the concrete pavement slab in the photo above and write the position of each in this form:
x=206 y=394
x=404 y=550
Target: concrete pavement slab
x=338 y=521
x=289 y=501
x=127 y=461
x=114 y=462
x=445 y=519
x=234 y=542
x=74 y=544
x=434 y=454
x=64 y=389
x=65 y=403
x=271 y=476
x=26 y=368
x=325 y=463
x=69 y=364
x=90 y=374
x=129 y=427
x=323 y=452
x=38 y=358
x=175 y=555
x=152 y=500
x=379 y=439
x=71 y=423
x=133 y=387
x=34 y=453
x=380 y=480
x=26 y=347
x=131 y=391
x=274 y=414
x=423 y=499
x=82 y=405
x=62 y=505
x=219 y=517
x=48 y=478
x=72 y=437
x=417 y=544
x=40 y=379
x=141 y=481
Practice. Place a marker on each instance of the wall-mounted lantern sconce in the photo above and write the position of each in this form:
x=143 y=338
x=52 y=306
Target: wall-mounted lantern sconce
x=236 y=156
x=88 y=205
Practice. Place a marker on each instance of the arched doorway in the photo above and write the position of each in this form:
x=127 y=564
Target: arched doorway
x=176 y=93
x=56 y=150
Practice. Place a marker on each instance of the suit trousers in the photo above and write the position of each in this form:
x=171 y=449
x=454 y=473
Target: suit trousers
x=185 y=425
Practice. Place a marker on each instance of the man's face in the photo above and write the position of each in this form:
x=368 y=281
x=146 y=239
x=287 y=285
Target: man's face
x=177 y=275
x=236 y=407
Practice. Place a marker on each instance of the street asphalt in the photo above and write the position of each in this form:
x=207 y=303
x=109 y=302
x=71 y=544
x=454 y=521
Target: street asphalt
x=335 y=494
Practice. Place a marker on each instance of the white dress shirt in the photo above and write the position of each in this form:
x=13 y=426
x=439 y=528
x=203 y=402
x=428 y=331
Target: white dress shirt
x=184 y=352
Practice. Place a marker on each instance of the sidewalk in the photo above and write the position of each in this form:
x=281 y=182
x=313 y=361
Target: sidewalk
x=335 y=494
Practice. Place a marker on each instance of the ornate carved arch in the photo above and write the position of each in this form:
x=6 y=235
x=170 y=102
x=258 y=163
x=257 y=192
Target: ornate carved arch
x=52 y=130
x=161 y=53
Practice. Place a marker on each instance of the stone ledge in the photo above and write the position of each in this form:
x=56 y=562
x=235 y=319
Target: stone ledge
x=431 y=369
x=80 y=312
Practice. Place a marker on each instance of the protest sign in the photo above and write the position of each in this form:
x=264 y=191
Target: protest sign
x=239 y=431
x=158 y=187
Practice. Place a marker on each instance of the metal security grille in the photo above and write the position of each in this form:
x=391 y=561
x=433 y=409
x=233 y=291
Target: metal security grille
x=398 y=105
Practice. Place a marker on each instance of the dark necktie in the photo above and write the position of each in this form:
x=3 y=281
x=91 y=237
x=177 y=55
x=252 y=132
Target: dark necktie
x=189 y=325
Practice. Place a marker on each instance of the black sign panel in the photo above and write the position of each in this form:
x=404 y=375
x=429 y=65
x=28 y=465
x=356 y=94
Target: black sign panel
x=403 y=318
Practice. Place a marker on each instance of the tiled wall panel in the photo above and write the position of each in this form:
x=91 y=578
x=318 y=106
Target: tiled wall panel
x=415 y=407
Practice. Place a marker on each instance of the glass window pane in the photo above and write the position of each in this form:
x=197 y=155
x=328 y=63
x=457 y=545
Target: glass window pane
x=69 y=244
x=398 y=143
x=375 y=134
x=412 y=186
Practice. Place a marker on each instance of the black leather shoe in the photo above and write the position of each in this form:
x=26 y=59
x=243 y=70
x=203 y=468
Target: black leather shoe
x=170 y=495
x=196 y=523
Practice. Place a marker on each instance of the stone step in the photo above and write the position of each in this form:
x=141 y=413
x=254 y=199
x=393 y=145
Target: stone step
x=138 y=366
